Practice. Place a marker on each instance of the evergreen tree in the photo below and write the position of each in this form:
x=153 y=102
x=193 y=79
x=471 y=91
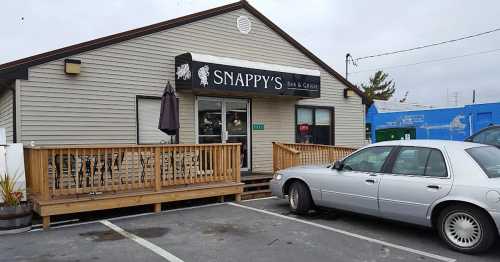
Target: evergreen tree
x=378 y=88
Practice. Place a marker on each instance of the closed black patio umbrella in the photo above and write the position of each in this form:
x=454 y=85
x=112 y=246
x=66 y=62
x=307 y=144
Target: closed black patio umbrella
x=169 y=113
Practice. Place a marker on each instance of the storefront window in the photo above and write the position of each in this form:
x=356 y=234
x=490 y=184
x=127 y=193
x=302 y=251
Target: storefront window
x=314 y=125
x=304 y=116
x=304 y=125
x=209 y=121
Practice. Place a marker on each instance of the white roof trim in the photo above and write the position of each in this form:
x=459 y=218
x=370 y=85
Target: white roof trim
x=254 y=65
x=396 y=106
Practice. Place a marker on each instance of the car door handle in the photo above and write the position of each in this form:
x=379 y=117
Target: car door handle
x=371 y=181
x=434 y=187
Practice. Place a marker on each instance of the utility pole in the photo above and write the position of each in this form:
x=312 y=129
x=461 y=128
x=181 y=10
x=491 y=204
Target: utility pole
x=347 y=65
x=474 y=96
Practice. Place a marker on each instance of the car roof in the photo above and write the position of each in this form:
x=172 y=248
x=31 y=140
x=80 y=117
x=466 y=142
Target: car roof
x=429 y=143
x=487 y=128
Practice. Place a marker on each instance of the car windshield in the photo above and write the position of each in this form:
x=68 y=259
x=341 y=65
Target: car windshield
x=488 y=157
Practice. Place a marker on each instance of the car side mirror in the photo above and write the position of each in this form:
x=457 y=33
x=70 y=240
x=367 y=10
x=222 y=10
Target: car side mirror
x=338 y=165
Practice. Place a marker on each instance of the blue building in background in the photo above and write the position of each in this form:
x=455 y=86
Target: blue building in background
x=394 y=120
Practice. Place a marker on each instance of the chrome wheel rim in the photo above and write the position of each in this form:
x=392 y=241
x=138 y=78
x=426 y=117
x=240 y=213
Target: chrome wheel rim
x=462 y=230
x=294 y=197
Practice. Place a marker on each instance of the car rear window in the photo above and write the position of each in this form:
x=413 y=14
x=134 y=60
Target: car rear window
x=488 y=157
x=419 y=161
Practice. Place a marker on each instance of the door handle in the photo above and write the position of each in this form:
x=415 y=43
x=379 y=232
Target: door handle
x=434 y=187
x=371 y=181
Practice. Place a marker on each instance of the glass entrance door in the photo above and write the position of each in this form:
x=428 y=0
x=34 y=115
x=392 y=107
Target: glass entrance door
x=209 y=121
x=224 y=120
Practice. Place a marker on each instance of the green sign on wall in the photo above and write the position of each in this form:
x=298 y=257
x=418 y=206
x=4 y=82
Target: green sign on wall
x=258 y=126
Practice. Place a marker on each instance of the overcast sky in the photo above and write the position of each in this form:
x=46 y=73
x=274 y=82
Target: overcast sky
x=328 y=28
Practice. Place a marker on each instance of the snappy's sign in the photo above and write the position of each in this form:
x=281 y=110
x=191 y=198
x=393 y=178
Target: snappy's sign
x=213 y=74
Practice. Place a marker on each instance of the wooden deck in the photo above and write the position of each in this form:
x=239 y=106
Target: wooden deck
x=71 y=179
x=287 y=155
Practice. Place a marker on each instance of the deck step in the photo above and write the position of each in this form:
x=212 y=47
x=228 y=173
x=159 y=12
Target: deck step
x=256 y=177
x=256 y=192
x=256 y=185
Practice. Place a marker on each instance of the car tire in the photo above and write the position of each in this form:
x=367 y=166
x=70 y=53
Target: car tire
x=299 y=198
x=466 y=229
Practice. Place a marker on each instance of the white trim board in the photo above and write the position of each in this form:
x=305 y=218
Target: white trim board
x=250 y=64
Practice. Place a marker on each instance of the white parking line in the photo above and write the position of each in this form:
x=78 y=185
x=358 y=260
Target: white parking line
x=58 y=222
x=123 y=217
x=257 y=199
x=340 y=231
x=143 y=242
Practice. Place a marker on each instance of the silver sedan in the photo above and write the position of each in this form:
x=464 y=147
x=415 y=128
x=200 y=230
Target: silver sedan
x=451 y=186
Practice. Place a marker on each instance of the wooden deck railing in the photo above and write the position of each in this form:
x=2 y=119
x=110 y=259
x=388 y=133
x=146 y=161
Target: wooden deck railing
x=58 y=172
x=287 y=155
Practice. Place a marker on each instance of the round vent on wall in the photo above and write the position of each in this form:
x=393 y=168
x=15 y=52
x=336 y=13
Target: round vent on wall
x=244 y=24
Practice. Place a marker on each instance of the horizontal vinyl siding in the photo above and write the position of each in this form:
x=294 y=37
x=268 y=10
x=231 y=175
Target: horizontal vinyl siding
x=7 y=114
x=278 y=117
x=187 y=133
x=98 y=105
x=349 y=113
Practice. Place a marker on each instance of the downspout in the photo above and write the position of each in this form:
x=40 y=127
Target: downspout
x=11 y=86
x=14 y=115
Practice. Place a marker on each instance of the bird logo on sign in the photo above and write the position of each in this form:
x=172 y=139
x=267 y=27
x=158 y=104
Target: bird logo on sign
x=183 y=72
x=203 y=73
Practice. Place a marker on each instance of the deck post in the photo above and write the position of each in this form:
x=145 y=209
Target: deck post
x=237 y=197
x=46 y=222
x=274 y=157
x=157 y=206
x=157 y=169
x=43 y=161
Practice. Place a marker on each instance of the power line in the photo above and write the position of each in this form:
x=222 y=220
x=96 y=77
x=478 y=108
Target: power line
x=428 y=61
x=429 y=45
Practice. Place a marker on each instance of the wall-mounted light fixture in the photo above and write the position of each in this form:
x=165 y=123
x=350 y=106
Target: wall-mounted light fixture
x=348 y=92
x=72 y=66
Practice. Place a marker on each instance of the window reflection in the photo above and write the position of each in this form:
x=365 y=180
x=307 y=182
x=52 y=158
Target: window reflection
x=243 y=148
x=209 y=117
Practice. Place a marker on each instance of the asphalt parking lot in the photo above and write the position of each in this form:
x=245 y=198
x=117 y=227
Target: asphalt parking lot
x=261 y=230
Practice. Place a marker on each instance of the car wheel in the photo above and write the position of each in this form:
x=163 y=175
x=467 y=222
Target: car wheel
x=299 y=198
x=466 y=229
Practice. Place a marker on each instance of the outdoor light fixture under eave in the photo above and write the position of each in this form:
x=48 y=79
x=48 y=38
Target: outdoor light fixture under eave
x=72 y=66
x=348 y=92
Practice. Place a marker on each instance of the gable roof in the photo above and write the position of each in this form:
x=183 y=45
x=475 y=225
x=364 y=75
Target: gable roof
x=18 y=69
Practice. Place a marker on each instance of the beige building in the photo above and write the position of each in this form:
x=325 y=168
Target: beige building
x=239 y=78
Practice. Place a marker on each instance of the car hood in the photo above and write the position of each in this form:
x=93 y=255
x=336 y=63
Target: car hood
x=304 y=167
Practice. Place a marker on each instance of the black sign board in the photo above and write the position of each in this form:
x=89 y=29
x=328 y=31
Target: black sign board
x=204 y=76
